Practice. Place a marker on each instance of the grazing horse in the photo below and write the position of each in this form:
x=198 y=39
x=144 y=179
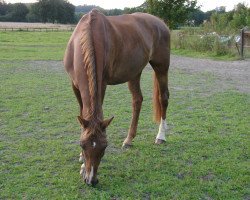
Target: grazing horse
x=108 y=51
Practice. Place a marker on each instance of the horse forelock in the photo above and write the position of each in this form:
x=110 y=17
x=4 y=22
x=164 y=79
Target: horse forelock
x=94 y=129
x=89 y=61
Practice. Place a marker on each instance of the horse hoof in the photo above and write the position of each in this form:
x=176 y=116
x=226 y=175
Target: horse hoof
x=127 y=146
x=159 y=141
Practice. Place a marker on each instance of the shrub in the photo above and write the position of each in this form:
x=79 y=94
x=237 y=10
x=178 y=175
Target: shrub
x=210 y=42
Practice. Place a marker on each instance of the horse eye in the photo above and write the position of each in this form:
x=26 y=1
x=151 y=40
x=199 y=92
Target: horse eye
x=82 y=145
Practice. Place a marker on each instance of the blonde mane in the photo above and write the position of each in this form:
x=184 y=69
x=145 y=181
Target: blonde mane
x=88 y=52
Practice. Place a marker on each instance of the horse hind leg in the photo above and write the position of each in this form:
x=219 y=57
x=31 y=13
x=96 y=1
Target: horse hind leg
x=161 y=101
x=137 y=98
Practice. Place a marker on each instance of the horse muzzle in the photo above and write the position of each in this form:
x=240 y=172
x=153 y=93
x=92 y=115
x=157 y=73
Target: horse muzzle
x=92 y=182
x=89 y=179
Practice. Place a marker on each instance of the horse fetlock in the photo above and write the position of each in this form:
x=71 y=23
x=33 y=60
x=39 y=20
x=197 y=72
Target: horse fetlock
x=127 y=143
x=82 y=170
x=81 y=158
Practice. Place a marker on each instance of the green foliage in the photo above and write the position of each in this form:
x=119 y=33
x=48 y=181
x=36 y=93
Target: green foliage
x=86 y=8
x=174 y=13
x=196 y=17
x=240 y=17
x=59 y=11
x=230 y=22
x=19 y=12
x=113 y=12
x=13 y=12
x=33 y=15
x=141 y=8
x=3 y=8
x=215 y=36
x=194 y=40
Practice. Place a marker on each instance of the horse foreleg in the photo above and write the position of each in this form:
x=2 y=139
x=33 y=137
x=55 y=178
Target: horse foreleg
x=78 y=97
x=134 y=87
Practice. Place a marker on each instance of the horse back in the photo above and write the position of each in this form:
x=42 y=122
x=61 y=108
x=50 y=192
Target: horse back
x=134 y=40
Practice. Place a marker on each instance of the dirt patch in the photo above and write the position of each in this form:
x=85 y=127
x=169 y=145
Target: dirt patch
x=235 y=73
x=228 y=74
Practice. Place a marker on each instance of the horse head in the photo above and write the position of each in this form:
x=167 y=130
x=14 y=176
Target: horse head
x=93 y=142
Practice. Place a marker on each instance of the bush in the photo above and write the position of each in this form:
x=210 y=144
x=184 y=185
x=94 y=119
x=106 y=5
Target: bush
x=193 y=41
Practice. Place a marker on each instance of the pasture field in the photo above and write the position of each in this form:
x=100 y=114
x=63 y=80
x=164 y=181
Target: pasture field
x=206 y=155
x=19 y=45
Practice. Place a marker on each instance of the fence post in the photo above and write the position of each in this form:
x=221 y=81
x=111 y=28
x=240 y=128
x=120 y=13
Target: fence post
x=242 y=43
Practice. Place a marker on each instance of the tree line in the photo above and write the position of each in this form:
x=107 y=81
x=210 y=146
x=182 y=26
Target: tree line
x=54 y=11
x=175 y=13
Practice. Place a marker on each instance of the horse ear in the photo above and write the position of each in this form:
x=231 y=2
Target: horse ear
x=84 y=123
x=106 y=122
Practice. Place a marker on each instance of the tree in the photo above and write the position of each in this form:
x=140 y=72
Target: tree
x=66 y=13
x=113 y=12
x=19 y=12
x=197 y=17
x=43 y=8
x=33 y=15
x=241 y=16
x=3 y=7
x=174 y=13
x=141 y=8
x=13 y=12
x=60 y=11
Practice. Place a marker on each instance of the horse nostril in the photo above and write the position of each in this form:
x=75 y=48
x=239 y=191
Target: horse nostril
x=94 y=182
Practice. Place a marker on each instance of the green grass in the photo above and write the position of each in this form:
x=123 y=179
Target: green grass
x=206 y=155
x=33 y=45
x=211 y=55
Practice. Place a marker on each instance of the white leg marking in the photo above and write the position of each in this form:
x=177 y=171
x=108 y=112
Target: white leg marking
x=162 y=130
x=81 y=158
x=94 y=144
x=91 y=175
x=82 y=169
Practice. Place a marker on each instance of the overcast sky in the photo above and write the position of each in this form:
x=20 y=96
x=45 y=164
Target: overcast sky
x=108 y=4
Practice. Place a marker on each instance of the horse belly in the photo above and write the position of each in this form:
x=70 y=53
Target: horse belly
x=129 y=56
x=125 y=71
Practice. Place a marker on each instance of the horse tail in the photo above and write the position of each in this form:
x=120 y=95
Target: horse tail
x=156 y=101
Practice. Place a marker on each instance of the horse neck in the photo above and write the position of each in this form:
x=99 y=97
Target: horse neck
x=92 y=110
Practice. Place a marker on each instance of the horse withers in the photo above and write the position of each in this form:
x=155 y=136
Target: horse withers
x=108 y=51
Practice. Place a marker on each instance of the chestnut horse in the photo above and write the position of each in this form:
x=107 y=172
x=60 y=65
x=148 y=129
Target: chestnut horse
x=108 y=51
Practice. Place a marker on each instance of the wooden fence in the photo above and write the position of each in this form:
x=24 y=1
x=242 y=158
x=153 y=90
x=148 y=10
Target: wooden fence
x=245 y=42
x=37 y=29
